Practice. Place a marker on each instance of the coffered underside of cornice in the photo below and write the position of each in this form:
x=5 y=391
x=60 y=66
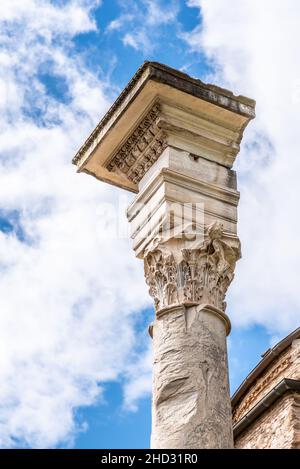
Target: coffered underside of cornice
x=163 y=75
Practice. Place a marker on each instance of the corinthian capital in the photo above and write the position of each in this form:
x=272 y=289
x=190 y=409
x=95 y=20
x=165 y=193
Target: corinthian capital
x=191 y=276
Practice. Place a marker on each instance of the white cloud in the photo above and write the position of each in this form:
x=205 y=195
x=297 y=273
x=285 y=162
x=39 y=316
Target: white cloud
x=119 y=22
x=145 y=19
x=70 y=19
x=253 y=46
x=160 y=13
x=139 y=40
x=68 y=299
x=139 y=380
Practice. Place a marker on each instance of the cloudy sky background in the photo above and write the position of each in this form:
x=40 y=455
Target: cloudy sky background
x=75 y=357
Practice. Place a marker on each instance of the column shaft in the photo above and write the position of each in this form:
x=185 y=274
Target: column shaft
x=191 y=402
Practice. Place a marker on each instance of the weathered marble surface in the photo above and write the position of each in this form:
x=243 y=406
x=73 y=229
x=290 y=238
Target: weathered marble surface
x=178 y=273
x=173 y=140
x=191 y=405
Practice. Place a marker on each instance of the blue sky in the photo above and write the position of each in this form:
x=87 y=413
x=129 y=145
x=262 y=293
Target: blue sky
x=75 y=363
x=109 y=426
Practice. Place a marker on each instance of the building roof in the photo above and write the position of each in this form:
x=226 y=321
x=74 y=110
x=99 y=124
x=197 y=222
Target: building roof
x=268 y=357
x=286 y=385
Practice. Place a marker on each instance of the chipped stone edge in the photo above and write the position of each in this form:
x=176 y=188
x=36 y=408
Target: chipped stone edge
x=183 y=82
x=205 y=307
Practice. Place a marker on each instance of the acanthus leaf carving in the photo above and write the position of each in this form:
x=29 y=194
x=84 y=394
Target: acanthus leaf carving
x=198 y=276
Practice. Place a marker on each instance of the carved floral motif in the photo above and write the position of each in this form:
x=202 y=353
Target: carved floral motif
x=141 y=149
x=199 y=276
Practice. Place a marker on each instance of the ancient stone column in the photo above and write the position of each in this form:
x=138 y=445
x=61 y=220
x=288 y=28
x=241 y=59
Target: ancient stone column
x=173 y=140
x=191 y=405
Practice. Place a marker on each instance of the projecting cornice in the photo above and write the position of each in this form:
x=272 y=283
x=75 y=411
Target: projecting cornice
x=163 y=107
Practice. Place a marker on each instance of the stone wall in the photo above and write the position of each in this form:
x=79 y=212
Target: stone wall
x=278 y=427
x=286 y=365
x=296 y=422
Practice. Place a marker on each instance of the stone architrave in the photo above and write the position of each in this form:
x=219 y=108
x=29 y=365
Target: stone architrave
x=172 y=140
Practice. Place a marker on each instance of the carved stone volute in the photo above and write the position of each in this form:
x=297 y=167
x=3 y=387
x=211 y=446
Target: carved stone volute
x=194 y=276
